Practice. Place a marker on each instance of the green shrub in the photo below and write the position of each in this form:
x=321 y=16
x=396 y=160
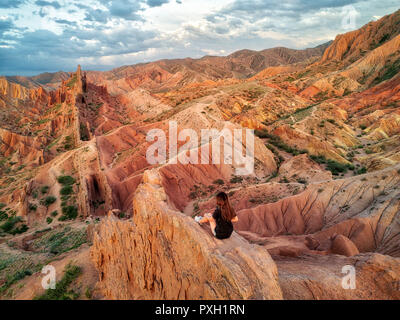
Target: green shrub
x=362 y=170
x=336 y=167
x=49 y=220
x=66 y=180
x=318 y=159
x=261 y=134
x=3 y=215
x=44 y=189
x=66 y=190
x=236 y=179
x=54 y=213
x=88 y=293
x=10 y=223
x=219 y=181
x=69 y=213
x=19 y=230
x=48 y=201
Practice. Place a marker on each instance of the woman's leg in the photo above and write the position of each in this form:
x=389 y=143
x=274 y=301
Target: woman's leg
x=212 y=225
x=212 y=222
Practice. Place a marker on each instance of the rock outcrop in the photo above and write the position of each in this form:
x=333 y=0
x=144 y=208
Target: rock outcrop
x=315 y=277
x=363 y=209
x=351 y=45
x=163 y=254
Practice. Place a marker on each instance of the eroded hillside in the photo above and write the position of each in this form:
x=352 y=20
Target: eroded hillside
x=77 y=192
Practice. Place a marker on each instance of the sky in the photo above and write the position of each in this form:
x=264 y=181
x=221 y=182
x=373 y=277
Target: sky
x=39 y=36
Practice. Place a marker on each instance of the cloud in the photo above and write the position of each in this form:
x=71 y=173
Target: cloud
x=11 y=3
x=42 y=3
x=97 y=15
x=156 y=3
x=6 y=25
x=67 y=22
x=39 y=50
x=102 y=34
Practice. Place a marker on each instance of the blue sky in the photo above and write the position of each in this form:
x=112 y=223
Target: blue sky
x=50 y=35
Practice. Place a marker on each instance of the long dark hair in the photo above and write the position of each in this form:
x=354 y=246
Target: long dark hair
x=227 y=211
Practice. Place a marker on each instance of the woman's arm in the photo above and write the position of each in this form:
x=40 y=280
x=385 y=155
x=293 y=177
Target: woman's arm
x=206 y=218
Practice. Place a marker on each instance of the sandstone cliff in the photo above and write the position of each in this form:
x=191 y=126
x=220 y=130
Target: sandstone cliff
x=163 y=254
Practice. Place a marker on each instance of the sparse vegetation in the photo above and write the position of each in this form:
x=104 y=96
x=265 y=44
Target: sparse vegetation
x=48 y=201
x=66 y=190
x=69 y=213
x=219 y=182
x=336 y=167
x=72 y=82
x=13 y=226
x=389 y=72
x=44 y=189
x=277 y=142
x=59 y=241
x=61 y=291
x=15 y=277
x=236 y=179
x=362 y=170
x=83 y=132
x=66 y=180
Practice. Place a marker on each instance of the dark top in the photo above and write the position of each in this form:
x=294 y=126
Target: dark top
x=224 y=228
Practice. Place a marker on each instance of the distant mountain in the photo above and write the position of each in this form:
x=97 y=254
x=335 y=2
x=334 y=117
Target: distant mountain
x=47 y=80
x=165 y=74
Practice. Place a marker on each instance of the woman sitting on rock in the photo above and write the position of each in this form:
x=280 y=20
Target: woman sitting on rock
x=222 y=218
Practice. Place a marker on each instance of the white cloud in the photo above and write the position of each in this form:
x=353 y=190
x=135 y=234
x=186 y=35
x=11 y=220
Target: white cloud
x=102 y=34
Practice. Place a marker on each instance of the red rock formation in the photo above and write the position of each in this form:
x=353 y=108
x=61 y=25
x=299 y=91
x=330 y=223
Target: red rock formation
x=166 y=255
x=349 y=46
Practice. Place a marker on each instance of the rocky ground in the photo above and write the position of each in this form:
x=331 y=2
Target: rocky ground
x=77 y=192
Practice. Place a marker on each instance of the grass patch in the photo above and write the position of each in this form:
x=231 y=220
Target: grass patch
x=15 y=277
x=57 y=242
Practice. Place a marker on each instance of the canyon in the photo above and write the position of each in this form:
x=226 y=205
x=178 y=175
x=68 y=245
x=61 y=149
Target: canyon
x=77 y=190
